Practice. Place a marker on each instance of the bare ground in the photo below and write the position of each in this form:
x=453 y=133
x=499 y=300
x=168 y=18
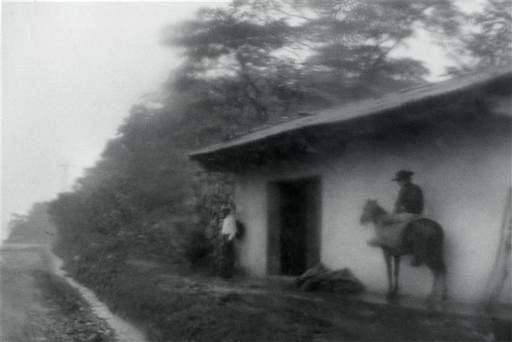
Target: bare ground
x=38 y=306
x=270 y=312
x=172 y=306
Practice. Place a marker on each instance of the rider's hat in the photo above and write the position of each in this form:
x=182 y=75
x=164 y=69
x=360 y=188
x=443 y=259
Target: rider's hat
x=403 y=175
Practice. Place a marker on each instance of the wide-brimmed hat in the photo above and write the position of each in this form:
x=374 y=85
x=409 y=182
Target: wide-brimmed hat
x=403 y=175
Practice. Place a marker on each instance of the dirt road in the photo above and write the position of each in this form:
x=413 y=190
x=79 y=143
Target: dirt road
x=39 y=306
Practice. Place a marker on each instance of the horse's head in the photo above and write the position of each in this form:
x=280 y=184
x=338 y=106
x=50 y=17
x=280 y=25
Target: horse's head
x=370 y=211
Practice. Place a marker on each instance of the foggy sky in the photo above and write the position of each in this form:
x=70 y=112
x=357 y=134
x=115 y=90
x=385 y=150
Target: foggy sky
x=71 y=72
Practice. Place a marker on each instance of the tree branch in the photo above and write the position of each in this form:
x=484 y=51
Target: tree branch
x=258 y=106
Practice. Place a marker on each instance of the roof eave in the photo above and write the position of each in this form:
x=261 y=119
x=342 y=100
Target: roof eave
x=315 y=121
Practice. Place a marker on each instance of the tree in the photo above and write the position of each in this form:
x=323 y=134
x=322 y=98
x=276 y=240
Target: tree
x=287 y=55
x=487 y=40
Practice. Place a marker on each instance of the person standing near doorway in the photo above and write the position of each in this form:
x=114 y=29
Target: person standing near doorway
x=227 y=237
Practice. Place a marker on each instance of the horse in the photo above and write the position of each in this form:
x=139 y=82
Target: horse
x=421 y=237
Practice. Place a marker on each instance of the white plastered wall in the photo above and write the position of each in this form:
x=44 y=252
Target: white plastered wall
x=464 y=173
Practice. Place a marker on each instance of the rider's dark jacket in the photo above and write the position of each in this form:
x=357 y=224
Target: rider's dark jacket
x=410 y=199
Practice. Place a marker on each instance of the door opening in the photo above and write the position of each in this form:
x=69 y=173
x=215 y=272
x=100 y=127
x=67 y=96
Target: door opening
x=294 y=226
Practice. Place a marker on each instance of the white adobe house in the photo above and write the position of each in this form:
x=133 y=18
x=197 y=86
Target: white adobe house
x=301 y=185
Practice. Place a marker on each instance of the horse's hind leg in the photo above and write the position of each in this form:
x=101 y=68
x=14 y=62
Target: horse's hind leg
x=396 y=274
x=435 y=285
x=439 y=288
x=442 y=271
x=444 y=294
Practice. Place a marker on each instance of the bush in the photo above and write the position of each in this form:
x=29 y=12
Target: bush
x=69 y=298
x=198 y=250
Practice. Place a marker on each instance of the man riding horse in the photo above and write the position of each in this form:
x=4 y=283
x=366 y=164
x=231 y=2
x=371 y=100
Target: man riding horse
x=406 y=232
x=408 y=207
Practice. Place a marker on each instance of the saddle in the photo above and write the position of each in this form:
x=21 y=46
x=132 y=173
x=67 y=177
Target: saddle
x=389 y=230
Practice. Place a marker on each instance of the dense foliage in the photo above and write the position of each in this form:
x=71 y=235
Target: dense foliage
x=249 y=64
x=487 y=40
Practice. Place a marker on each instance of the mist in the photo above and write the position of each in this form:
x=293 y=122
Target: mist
x=71 y=72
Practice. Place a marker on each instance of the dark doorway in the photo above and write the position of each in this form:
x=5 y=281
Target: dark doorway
x=294 y=226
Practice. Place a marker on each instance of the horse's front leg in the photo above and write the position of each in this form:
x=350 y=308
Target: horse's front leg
x=396 y=273
x=387 y=259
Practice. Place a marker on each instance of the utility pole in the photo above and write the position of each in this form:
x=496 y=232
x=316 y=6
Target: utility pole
x=64 y=176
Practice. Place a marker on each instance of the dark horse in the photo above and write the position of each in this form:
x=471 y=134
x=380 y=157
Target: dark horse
x=421 y=237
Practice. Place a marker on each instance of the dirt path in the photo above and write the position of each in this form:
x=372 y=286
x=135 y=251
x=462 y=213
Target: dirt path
x=38 y=305
x=124 y=331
